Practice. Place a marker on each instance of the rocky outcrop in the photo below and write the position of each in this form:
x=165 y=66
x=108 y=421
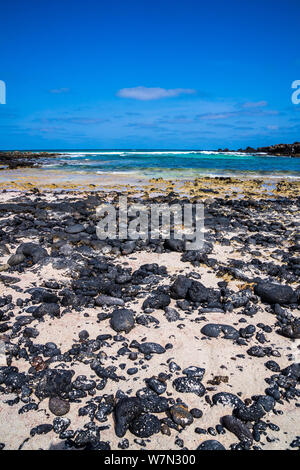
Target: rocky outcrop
x=16 y=159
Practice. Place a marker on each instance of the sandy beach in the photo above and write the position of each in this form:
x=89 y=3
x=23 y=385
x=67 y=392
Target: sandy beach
x=143 y=345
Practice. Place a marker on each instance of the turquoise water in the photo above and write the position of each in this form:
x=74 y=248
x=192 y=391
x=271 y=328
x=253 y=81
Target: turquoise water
x=175 y=163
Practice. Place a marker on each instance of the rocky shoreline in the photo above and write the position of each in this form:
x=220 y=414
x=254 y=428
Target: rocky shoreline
x=141 y=344
x=278 y=150
x=16 y=159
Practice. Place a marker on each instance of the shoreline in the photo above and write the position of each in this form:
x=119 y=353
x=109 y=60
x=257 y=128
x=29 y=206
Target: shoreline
x=202 y=187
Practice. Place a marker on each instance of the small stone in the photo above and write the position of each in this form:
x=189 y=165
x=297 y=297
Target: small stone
x=109 y=301
x=156 y=385
x=151 y=348
x=127 y=409
x=181 y=415
x=58 y=406
x=122 y=320
x=273 y=366
x=238 y=428
x=41 y=429
x=194 y=371
x=196 y=413
x=145 y=426
x=76 y=228
x=83 y=335
x=165 y=430
x=211 y=445
x=275 y=293
x=227 y=399
x=60 y=424
x=16 y=259
x=189 y=385
x=171 y=314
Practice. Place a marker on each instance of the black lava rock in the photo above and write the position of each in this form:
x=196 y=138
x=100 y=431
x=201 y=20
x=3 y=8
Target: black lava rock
x=275 y=293
x=145 y=425
x=122 y=320
x=151 y=348
x=126 y=410
x=211 y=445
x=189 y=385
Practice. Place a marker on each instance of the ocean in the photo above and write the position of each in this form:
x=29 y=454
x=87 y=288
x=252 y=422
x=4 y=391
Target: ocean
x=173 y=164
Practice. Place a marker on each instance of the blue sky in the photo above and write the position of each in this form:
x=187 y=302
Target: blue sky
x=149 y=74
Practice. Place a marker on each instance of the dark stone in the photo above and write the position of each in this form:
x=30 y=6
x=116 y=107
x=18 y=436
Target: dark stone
x=174 y=245
x=211 y=445
x=252 y=413
x=41 y=429
x=58 y=406
x=76 y=228
x=36 y=252
x=229 y=332
x=196 y=413
x=256 y=351
x=122 y=320
x=16 y=259
x=189 y=385
x=82 y=383
x=171 y=314
x=127 y=409
x=227 y=399
x=30 y=333
x=181 y=415
x=267 y=402
x=39 y=294
x=194 y=371
x=292 y=330
x=214 y=330
x=145 y=426
x=46 y=309
x=154 y=404
x=292 y=371
x=83 y=335
x=275 y=293
x=180 y=287
x=151 y=348
x=156 y=385
x=157 y=301
x=109 y=301
x=60 y=424
x=53 y=383
x=211 y=330
x=198 y=292
x=238 y=428
x=273 y=366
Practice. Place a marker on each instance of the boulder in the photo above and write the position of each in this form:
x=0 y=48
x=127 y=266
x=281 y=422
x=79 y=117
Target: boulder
x=275 y=293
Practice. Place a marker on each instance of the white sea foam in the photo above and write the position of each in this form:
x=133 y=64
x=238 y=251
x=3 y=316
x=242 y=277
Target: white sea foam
x=133 y=172
x=127 y=153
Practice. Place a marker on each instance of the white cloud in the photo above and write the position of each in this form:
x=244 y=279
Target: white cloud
x=143 y=93
x=59 y=90
x=257 y=104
